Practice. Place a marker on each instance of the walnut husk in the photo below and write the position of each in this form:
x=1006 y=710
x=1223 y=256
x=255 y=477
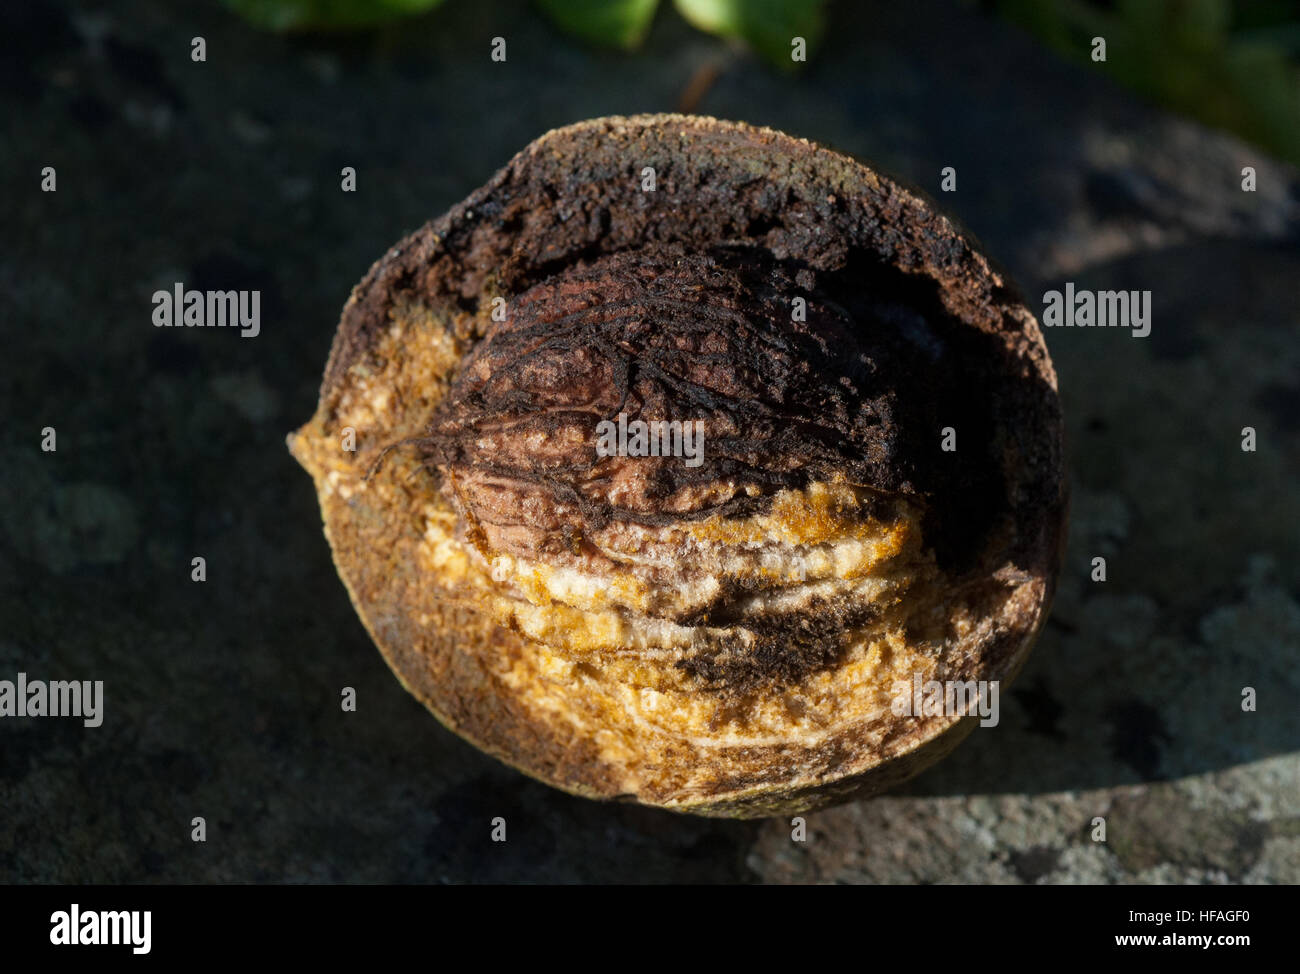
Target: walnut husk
x=471 y=454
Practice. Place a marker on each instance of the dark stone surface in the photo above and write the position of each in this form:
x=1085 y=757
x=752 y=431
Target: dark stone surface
x=222 y=698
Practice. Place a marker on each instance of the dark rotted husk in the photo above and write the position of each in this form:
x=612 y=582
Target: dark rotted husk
x=676 y=304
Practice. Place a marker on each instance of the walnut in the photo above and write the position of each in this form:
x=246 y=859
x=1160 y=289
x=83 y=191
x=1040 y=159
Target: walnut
x=653 y=493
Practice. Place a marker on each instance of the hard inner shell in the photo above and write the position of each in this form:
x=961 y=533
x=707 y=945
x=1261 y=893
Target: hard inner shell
x=724 y=635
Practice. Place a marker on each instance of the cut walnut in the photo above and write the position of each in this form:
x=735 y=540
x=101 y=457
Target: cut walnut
x=718 y=616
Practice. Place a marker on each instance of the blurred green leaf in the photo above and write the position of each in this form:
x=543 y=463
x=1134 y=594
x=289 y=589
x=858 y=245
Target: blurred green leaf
x=618 y=23
x=768 y=26
x=288 y=15
x=1226 y=63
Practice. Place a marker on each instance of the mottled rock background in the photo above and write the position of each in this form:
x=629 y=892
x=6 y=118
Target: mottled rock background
x=222 y=699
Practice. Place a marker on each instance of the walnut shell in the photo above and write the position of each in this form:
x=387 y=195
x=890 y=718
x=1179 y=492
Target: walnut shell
x=722 y=631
